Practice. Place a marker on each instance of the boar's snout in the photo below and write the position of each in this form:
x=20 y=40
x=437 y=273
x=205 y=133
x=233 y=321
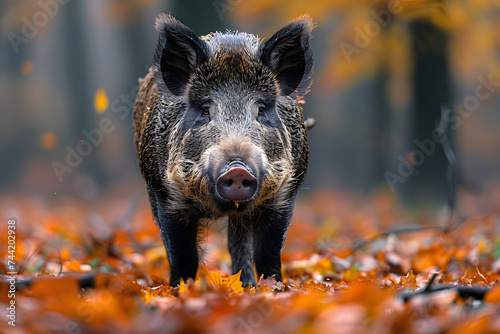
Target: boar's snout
x=236 y=171
x=236 y=183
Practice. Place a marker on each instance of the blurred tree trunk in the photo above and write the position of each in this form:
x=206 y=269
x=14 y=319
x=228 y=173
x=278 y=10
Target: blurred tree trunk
x=380 y=135
x=10 y=66
x=200 y=15
x=428 y=186
x=75 y=65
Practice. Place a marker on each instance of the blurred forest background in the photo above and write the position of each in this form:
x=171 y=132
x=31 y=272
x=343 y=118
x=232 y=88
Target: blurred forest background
x=383 y=70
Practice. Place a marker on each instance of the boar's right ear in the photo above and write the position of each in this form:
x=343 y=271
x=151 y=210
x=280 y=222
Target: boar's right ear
x=178 y=52
x=288 y=54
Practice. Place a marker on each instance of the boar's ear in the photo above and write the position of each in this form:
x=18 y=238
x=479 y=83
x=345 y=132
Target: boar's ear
x=178 y=52
x=288 y=54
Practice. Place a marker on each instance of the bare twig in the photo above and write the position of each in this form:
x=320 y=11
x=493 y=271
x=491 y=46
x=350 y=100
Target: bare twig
x=32 y=255
x=465 y=292
x=397 y=230
x=85 y=280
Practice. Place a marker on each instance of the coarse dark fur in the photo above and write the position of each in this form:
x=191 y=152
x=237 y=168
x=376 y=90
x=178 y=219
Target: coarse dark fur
x=206 y=102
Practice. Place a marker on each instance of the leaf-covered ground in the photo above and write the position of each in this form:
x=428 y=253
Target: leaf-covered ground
x=350 y=266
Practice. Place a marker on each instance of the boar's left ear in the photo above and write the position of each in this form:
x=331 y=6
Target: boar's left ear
x=178 y=52
x=288 y=54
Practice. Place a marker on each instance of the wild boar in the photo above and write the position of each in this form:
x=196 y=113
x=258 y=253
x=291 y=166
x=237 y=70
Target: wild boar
x=219 y=132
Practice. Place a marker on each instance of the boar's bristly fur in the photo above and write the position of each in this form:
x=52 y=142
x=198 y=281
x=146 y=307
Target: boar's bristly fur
x=219 y=132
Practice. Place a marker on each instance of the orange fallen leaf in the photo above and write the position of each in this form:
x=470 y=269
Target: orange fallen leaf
x=409 y=281
x=73 y=265
x=230 y=283
x=474 y=325
x=271 y=284
x=150 y=293
x=492 y=296
x=364 y=292
x=47 y=286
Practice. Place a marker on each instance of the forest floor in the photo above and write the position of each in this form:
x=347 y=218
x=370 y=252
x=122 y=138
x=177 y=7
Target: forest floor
x=350 y=265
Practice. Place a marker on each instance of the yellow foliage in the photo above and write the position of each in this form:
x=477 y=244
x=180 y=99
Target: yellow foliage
x=471 y=25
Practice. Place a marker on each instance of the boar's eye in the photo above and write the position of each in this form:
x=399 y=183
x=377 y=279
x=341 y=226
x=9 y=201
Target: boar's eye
x=205 y=107
x=265 y=113
x=259 y=108
x=205 y=110
x=197 y=115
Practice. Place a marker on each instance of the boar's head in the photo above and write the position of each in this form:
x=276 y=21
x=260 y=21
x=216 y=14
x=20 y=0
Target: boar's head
x=232 y=145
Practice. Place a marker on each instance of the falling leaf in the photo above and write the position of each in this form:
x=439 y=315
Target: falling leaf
x=101 y=101
x=48 y=141
x=27 y=67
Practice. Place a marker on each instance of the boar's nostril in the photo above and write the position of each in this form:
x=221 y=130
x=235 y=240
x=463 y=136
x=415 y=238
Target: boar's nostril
x=236 y=184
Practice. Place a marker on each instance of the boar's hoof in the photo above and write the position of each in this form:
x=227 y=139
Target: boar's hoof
x=237 y=184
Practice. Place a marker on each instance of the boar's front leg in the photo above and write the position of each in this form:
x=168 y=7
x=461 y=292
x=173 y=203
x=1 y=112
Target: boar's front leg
x=269 y=236
x=179 y=233
x=240 y=247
